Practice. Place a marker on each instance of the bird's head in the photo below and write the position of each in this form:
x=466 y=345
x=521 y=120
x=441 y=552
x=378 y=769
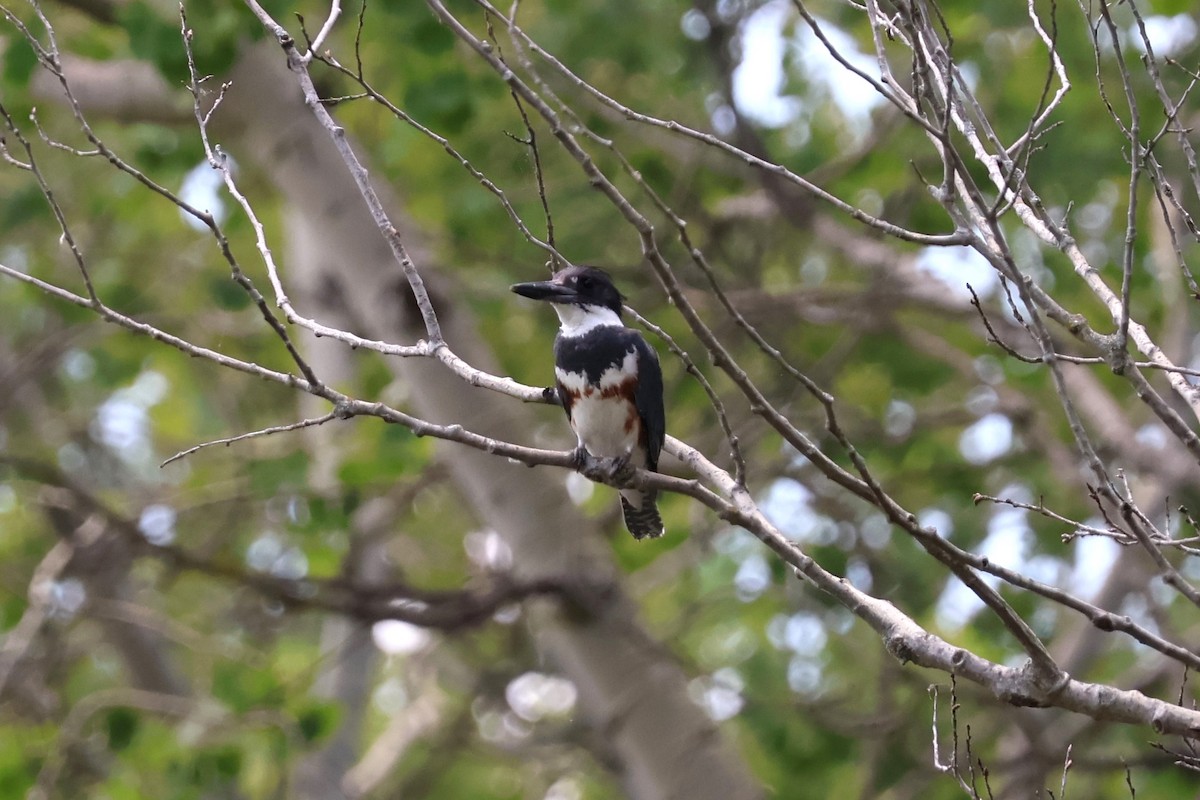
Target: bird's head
x=578 y=286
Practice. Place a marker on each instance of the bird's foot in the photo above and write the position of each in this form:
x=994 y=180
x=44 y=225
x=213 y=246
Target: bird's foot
x=621 y=470
x=618 y=471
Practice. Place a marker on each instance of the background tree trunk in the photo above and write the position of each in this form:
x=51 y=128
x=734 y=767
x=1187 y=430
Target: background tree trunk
x=631 y=692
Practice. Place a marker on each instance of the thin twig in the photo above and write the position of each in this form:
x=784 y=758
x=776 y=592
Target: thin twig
x=218 y=161
x=335 y=11
x=556 y=263
x=295 y=426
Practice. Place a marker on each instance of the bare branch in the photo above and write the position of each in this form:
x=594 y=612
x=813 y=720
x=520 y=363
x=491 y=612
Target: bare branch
x=295 y=426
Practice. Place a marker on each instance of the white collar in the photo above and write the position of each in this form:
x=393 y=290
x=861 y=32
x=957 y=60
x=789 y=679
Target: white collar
x=577 y=320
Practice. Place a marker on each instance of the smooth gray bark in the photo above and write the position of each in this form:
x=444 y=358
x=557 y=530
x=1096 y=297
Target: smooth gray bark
x=664 y=746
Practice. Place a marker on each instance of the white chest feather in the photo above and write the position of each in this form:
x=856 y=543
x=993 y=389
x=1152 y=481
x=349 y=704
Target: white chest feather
x=604 y=419
x=608 y=427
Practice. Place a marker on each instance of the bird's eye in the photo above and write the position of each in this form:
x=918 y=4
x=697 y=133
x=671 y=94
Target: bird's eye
x=585 y=282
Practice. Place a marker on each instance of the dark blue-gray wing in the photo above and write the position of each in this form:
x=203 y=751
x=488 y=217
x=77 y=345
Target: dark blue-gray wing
x=648 y=399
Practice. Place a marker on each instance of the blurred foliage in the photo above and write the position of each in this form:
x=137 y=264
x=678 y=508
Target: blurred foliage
x=815 y=704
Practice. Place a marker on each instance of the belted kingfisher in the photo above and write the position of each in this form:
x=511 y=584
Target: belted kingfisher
x=609 y=381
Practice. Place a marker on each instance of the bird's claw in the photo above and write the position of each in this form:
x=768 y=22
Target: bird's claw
x=621 y=469
x=618 y=471
x=580 y=459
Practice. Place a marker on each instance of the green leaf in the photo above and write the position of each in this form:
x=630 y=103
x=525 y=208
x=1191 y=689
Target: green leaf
x=226 y=762
x=267 y=475
x=21 y=206
x=154 y=39
x=121 y=725
x=443 y=101
x=431 y=37
x=242 y=687
x=19 y=62
x=1171 y=7
x=226 y=292
x=318 y=721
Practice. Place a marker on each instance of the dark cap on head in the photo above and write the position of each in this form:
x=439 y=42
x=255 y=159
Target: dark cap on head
x=585 y=286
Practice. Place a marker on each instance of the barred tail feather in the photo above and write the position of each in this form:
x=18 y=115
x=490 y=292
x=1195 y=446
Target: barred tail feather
x=643 y=522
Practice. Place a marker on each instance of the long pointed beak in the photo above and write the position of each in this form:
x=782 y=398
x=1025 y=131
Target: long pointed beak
x=544 y=290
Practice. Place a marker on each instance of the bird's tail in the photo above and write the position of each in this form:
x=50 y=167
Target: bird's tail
x=642 y=519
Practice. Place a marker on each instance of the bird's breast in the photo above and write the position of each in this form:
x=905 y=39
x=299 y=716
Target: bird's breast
x=603 y=414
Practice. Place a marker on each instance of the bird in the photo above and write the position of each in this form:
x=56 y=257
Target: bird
x=609 y=381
